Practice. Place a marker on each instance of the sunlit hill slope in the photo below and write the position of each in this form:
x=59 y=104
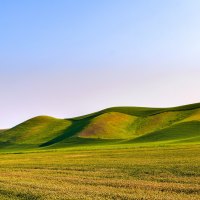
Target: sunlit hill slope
x=123 y=124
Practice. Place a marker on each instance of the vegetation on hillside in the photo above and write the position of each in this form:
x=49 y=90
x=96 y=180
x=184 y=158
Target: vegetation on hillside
x=117 y=153
x=125 y=124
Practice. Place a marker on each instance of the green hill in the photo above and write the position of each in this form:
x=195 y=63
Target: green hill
x=34 y=131
x=126 y=124
x=2 y=130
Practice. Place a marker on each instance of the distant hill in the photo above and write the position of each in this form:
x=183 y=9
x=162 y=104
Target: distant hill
x=125 y=124
x=2 y=130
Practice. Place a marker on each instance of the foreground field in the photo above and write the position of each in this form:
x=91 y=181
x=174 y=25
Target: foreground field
x=116 y=153
x=171 y=172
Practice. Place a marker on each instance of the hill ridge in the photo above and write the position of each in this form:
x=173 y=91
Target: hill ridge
x=131 y=124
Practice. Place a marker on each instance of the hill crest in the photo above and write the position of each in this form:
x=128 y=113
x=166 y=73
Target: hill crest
x=132 y=124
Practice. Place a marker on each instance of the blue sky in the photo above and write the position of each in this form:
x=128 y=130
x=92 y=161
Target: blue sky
x=71 y=57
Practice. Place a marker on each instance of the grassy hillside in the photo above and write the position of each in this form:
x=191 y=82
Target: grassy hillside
x=34 y=131
x=2 y=130
x=177 y=133
x=125 y=124
x=117 y=153
x=140 y=111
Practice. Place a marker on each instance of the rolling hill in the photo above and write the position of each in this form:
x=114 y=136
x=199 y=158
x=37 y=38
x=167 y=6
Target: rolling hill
x=122 y=124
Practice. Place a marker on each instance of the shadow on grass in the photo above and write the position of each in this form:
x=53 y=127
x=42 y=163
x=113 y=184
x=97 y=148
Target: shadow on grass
x=75 y=128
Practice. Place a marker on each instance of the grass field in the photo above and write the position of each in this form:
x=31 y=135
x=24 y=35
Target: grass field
x=116 y=153
x=103 y=172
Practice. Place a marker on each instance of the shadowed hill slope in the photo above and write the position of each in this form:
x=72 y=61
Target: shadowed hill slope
x=131 y=124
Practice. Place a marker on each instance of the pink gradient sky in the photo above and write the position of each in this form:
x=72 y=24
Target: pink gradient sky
x=71 y=58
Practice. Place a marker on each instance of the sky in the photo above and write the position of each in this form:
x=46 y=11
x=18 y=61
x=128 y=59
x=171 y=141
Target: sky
x=71 y=57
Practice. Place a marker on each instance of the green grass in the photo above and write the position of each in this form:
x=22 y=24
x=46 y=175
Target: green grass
x=2 y=130
x=117 y=153
x=128 y=124
x=35 y=130
x=141 y=111
x=177 y=133
x=120 y=172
